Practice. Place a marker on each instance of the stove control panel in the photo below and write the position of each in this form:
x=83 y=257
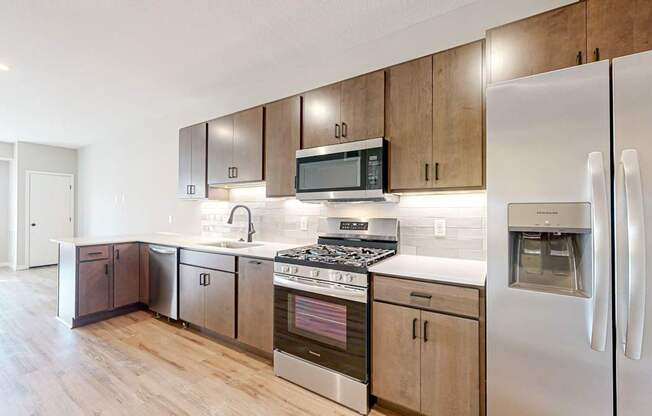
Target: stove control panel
x=354 y=226
x=329 y=275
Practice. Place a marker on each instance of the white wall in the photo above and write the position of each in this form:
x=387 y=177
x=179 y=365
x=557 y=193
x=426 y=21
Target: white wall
x=6 y=150
x=142 y=165
x=36 y=157
x=4 y=212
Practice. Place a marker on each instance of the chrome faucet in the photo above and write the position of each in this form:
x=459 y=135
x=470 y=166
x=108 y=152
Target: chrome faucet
x=250 y=231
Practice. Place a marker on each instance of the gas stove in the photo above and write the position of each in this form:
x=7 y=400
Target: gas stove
x=341 y=257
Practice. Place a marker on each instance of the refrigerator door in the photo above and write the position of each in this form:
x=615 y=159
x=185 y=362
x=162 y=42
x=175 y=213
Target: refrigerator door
x=632 y=117
x=548 y=141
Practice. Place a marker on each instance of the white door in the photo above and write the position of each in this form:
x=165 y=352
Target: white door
x=540 y=132
x=632 y=110
x=50 y=215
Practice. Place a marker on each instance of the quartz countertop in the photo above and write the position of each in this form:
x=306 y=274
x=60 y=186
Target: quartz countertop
x=265 y=250
x=434 y=269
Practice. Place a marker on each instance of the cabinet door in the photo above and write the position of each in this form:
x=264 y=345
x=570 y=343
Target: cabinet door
x=248 y=145
x=256 y=303
x=220 y=303
x=220 y=150
x=199 y=144
x=126 y=274
x=363 y=107
x=396 y=349
x=321 y=114
x=191 y=295
x=618 y=28
x=282 y=140
x=144 y=274
x=94 y=287
x=409 y=124
x=185 y=162
x=450 y=357
x=542 y=43
x=458 y=117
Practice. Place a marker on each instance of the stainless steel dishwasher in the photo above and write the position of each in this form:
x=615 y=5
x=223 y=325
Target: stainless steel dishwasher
x=163 y=281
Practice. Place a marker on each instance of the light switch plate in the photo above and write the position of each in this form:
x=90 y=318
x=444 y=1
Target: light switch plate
x=440 y=227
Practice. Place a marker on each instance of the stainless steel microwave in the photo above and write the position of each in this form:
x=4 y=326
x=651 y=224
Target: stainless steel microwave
x=355 y=171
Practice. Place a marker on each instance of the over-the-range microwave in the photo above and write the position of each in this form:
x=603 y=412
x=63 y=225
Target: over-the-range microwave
x=355 y=171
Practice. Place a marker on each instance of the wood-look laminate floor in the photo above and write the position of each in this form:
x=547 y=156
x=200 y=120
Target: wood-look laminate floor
x=129 y=365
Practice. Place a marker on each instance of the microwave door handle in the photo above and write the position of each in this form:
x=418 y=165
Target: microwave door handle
x=601 y=251
x=637 y=255
x=355 y=295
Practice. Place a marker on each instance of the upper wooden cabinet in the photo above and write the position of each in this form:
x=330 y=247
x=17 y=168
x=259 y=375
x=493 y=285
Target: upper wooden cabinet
x=192 y=161
x=541 y=43
x=458 y=113
x=345 y=111
x=282 y=140
x=409 y=123
x=235 y=147
x=618 y=27
x=126 y=274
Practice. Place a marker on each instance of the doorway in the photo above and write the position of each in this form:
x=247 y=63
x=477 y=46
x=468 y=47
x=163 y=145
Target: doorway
x=50 y=205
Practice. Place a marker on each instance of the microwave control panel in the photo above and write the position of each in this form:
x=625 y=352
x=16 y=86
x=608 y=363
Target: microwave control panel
x=375 y=168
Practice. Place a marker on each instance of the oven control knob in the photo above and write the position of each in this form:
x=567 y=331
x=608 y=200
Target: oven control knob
x=314 y=273
x=349 y=277
x=337 y=276
x=295 y=270
x=285 y=269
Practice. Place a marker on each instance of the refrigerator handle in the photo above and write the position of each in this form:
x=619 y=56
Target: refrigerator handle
x=637 y=254
x=601 y=219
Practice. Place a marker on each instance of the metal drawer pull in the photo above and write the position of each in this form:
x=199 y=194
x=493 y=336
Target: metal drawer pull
x=421 y=295
x=425 y=331
x=255 y=262
x=414 y=328
x=95 y=253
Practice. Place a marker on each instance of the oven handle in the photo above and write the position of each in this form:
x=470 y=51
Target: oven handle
x=353 y=294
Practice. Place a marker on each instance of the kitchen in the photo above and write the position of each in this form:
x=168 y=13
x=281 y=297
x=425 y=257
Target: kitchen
x=380 y=242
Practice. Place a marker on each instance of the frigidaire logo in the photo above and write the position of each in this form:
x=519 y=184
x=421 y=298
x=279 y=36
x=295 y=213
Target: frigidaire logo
x=547 y=212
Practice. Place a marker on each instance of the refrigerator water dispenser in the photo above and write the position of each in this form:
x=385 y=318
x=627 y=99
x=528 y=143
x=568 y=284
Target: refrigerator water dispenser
x=550 y=248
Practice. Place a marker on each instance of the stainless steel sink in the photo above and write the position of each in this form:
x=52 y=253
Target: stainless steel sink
x=232 y=244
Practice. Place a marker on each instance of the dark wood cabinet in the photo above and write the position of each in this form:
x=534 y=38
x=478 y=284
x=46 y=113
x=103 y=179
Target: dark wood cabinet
x=220 y=302
x=192 y=161
x=126 y=274
x=345 y=111
x=552 y=40
x=409 y=124
x=143 y=291
x=458 y=114
x=191 y=294
x=618 y=28
x=282 y=140
x=235 y=148
x=95 y=281
x=256 y=303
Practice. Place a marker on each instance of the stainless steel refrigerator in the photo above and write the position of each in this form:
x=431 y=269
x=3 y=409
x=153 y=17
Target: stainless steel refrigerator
x=569 y=194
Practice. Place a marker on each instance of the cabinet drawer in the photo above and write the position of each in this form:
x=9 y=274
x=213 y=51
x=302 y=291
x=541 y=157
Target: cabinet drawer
x=94 y=253
x=432 y=296
x=207 y=260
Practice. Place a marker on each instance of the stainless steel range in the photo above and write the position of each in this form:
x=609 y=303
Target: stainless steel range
x=321 y=308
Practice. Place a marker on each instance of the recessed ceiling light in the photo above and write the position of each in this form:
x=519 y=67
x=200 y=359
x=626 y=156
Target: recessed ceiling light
x=4 y=67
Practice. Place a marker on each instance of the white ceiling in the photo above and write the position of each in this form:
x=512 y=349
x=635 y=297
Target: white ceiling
x=84 y=71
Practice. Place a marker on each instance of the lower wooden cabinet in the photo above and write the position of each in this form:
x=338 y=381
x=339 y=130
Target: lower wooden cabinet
x=207 y=298
x=256 y=303
x=143 y=291
x=94 y=281
x=126 y=274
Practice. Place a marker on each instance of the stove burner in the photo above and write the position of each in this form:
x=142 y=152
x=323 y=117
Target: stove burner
x=335 y=254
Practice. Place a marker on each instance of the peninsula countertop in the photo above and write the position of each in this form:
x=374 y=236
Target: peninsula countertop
x=259 y=249
x=434 y=269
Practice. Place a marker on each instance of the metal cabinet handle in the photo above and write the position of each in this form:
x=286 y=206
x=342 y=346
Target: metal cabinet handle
x=117 y=254
x=235 y=171
x=229 y=175
x=421 y=295
x=414 y=328
x=202 y=280
x=425 y=331
x=437 y=171
x=337 y=131
x=106 y=269
x=255 y=262
x=344 y=129
x=579 y=58
x=207 y=279
x=596 y=54
x=427 y=171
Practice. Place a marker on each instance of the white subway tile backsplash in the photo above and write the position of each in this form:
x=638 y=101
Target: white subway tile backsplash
x=279 y=220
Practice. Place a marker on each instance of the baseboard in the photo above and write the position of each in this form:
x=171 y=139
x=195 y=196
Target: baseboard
x=18 y=267
x=5 y=264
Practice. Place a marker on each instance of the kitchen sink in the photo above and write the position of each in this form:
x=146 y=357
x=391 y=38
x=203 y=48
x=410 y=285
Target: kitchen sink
x=232 y=244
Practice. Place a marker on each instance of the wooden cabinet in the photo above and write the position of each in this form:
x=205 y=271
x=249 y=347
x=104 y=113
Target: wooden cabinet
x=126 y=274
x=552 y=40
x=282 y=140
x=458 y=114
x=94 y=290
x=143 y=291
x=423 y=360
x=235 y=147
x=345 y=111
x=207 y=296
x=409 y=124
x=617 y=28
x=192 y=161
x=256 y=303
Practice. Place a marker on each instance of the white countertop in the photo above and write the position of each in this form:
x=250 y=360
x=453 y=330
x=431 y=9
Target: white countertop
x=266 y=250
x=434 y=269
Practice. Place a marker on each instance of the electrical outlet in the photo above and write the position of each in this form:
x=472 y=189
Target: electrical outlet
x=303 y=223
x=440 y=227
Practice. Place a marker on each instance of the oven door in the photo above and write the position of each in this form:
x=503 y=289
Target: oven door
x=322 y=322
